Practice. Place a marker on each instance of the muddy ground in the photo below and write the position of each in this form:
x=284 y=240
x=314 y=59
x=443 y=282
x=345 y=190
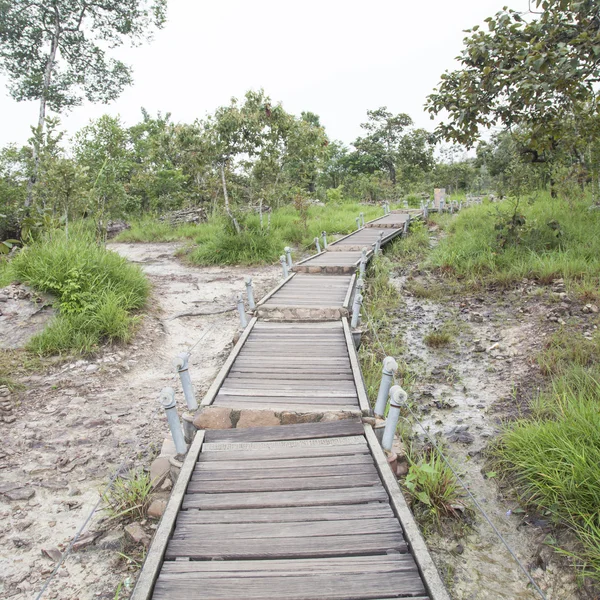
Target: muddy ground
x=71 y=425
x=463 y=395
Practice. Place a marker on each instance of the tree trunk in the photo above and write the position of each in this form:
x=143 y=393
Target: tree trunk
x=42 y=113
x=226 y=197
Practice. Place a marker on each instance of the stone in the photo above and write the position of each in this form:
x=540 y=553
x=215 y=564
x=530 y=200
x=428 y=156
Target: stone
x=15 y=492
x=257 y=418
x=52 y=553
x=476 y=317
x=91 y=368
x=113 y=540
x=86 y=540
x=156 y=509
x=293 y=418
x=159 y=470
x=213 y=417
x=167 y=485
x=136 y=533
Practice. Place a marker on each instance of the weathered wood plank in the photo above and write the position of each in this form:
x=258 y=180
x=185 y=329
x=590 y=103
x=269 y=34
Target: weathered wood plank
x=283 y=484
x=306 y=431
x=318 y=586
x=336 y=459
x=363 y=399
x=278 y=499
x=203 y=473
x=237 y=531
x=199 y=548
x=287 y=514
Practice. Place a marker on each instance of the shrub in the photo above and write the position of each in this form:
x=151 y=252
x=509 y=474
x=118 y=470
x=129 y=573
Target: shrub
x=96 y=291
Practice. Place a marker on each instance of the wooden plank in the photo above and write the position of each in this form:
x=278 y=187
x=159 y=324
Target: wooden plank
x=283 y=484
x=229 y=391
x=294 y=374
x=363 y=399
x=427 y=568
x=238 y=531
x=288 y=514
x=199 y=548
x=216 y=384
x=317 y=586
x=303 y=431
x=275 y=290
x=204 y=473
x=350 y=460
x=298 y=567
x=274 y=446
x=154 y=558
x=349 y=292
x=278 y=499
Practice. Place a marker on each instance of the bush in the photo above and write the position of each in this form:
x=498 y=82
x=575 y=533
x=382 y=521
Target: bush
x=96 y=291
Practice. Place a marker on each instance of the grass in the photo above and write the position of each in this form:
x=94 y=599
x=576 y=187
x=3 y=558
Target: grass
x=555 y=240
x=216 y=243
x=129 y=497
x=438 y=338
x=567 y=350
x=96 y=292
x=553 y=459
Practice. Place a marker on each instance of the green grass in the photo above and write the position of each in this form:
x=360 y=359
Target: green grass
x=215 y=242
x=553 y=459
x=129 y=497
x=557 y=240
x=411 y=247
x=438 y=338
x=96 y=291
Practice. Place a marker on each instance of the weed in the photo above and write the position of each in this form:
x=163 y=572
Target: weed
x=96 y=291
x=437 y=338
x=432 y=291
x=566 y=350
x=433 y=486
x=129 y=496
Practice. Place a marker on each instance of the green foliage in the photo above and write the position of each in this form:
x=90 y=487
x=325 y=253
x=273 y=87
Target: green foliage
x=474 y=250
x=129 y=496
x=554 y=458
x=437 y=338
x=432 y=486
x=96 y=291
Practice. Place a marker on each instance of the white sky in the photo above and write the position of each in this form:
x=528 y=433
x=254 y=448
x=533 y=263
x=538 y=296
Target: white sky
x=335 y=58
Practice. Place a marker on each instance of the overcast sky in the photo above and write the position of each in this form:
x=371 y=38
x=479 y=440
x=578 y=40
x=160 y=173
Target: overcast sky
x=335 y=58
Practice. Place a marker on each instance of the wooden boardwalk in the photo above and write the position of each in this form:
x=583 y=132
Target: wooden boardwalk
x=295 y=512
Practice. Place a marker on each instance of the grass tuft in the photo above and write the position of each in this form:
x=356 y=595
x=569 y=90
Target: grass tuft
x=129 y=497
x=96 y=292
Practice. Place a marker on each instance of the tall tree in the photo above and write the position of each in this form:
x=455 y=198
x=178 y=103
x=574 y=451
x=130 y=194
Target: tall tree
x=382 y=144
x=54 y=51
x=538 y=72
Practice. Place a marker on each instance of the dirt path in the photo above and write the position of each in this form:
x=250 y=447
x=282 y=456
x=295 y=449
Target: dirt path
x=76 y=423
x=463 y=393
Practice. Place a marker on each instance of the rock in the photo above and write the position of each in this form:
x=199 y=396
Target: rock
x=257 y=418
x=13 y=491
x=91 y=368
x=86 y=540
x=590 y=308
x=214 y=417
x=156 y=509
x=52 y=553
x=113 y=228
x=135 y=532
x=159 y=470
x=167 y=485
x=478 y=347
x=293 y=418
x=476 y=317
x=113 y=540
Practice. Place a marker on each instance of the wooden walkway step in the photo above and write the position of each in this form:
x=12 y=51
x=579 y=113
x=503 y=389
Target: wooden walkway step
x=391 y=220
x=335 y=263
x=302 y=367
x=365 y=237
x=259 y=521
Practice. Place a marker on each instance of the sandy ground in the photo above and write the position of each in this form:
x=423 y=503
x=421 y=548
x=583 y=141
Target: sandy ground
x=76 y=424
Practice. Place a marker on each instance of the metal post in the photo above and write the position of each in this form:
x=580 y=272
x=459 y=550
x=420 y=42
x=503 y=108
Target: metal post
x=397 y=397
x=242 y=311
x=181 y=363
x=390 y=366
x=324 y=237
x=284 y=266
x=356 y=310
x=250 y=294
x=317 y=245
x=379 y=242
x=362 y=219
x=426 y=212
x=167 y=401
x=360 y=284
x=460 y=206
x=363 y=262
x=406 y=225
x=357 y=223
x=441 y=206
x=288 y=253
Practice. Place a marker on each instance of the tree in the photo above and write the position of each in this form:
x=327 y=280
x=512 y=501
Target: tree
x=536 y=72
x=382 y=144
x=54 y=51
